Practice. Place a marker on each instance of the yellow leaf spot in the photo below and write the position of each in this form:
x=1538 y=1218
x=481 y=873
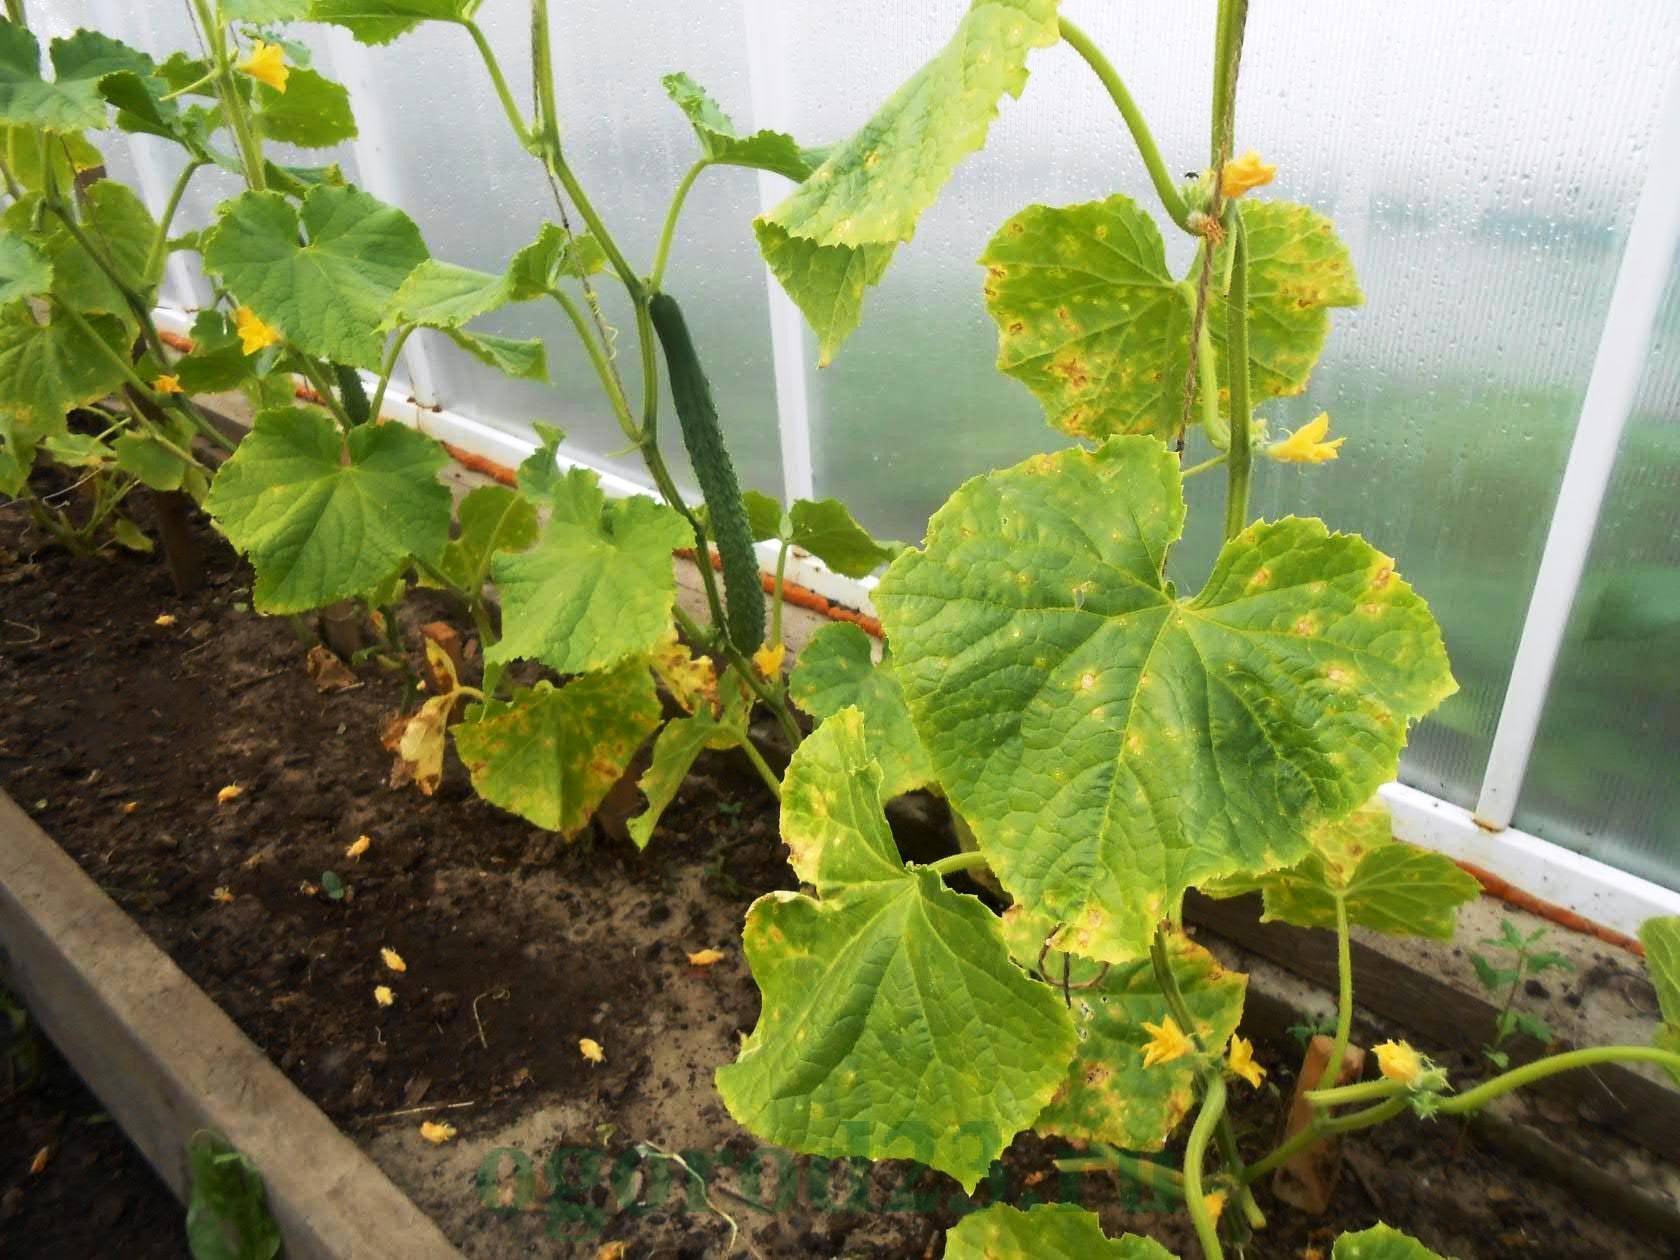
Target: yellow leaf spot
x=383 y=995
x=359 y=847
x=437 y=1133
x=1307 y=445
x=1242 y=1061
x=231 y=792
x=1246 y=172
x=590 y=1049
x=768 y=660
x=266 y=63
x=166 y=384
x=39 y=1163
x=1166 y=1042
x=393 y=960
x=222 y=894
x=705 y=957
x=254 y=335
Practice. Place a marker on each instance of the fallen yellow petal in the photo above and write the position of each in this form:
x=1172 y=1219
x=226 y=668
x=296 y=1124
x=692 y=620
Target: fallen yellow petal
x=308 y=889
x=705 y=957
x=383 y=995
x=1166 y=1042
x=39 y=1163
x=393 y=960
x=223 y=894
x=254 y=335
x=359 y=847
x=164 y=619
x=130 y=807
x=231 y=792
x=1245 y=173
x=166 y=384
x=610 y=1251
x=769 y=659
x=433 y=1131
x=590 y=1049
x=266 y=63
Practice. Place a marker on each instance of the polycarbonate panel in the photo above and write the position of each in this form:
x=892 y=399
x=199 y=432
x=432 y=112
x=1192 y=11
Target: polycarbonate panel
x=1481 y=162
x=1603 y=779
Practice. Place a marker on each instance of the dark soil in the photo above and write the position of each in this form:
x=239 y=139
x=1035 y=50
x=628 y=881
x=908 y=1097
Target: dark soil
x=117 y=733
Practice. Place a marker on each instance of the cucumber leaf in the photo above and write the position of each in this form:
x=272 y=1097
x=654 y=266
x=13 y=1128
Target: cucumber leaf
x=113 y=215
x=493 y=519
x=1381 y=1242
x=324 y=517
x=1113 y=744
x=1661 y=938
x=1089 y=318
x=720 y=142
x=46 y=369
x=381 y=21
x=680 y=744
x=312 y=113
x=894 y=1023
x=71 y=103
x=1046 y=1231
x=552 y=753
x=836 y=671
x=25 y=272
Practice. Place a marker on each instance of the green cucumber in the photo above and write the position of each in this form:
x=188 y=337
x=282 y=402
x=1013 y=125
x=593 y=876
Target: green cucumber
x=743 y=593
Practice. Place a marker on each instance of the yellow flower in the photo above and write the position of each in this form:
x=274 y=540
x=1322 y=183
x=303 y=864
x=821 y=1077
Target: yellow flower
x=393 y=960
x=1214 y=1200
x=1307 y=445
x=1244 y=173
x=383 y=995
x=769 y=659
x=358 y=848
x=166 y=384
x=590 y=1049
x=1399 y=1062
x=1242 y=1061
x=254 y=335
x=1166 y=1042
x=705 y=957
x=266 y=63
x=437 y=1133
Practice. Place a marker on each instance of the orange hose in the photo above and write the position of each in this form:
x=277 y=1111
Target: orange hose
x=1512 y=895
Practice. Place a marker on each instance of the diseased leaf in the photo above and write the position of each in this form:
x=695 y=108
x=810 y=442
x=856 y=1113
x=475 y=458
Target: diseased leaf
x=1381 y=1242
x=691 y=680
x=327 y=293
x=1107 y=1094
x=1089 y=318
x=46 y=369
x=1298 y=268
x=551 y=754
x=1046 y=1231
x=679 y=744
x=313 y=112
x=720 y=142
x=893 y=1022
x=321 y=523
x=71 y=103
x=597 y=587
x=835 y=233
x=493 y=519
x=1113 y=744
x=25 y=271
x=1661 y=939
x=836 y=671
x=1389 y=886
x=381 y=21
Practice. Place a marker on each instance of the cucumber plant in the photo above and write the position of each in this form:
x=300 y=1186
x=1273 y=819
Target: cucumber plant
x=1108 y=742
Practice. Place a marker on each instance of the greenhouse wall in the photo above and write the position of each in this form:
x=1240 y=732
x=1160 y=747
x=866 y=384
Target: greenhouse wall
x=1484 y=164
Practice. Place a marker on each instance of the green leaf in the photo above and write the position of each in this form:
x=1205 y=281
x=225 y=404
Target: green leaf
x=148 y=460
x=1089 y=318
x=125 y=533
x=439 y=294
x=115 y=217
x=720 y=142
x=313 y=112
x=679 y=744
x=540 y=476
x=597 y=588
x=218 y=361
x=1381 y=1242
x=227 y=1213
x=328 y=294
x=46 y=369
x=265 y=10
x=25 y=272
x=1493 y=978
x=764 y=515
x=826 y=529
x=1533 y=1026
x=1107 y=1095
x=77 y=450
x=1298 y=268
x=381 y=21
x=552 y=754
x=835 y=233
x=1386 y=885
x=72 y=103
x=524 y=360
x=1046 y=1231
x=554 y=256
x=1661 y=939
x=1113 y=744
x=69 y=155
x=333 y=885
x=836 y=671
x=493 y=519
x=16 y=459
x=318 y=527
x=893 y=1022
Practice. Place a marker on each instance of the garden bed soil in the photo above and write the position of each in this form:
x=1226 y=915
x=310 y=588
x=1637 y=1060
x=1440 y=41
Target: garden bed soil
x=117 y=733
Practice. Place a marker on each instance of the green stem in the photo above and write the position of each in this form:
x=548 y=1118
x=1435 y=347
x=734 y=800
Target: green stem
x=1321 y=1127
x=15 y=13
x=1165 y=188
x=318 y=382
x=957 y=862
x=763 y=768
x=1361 y=1091
x=160 y=246
x=1228 y=39
x=1344 y=998
x=1152 y=1176
x=603 y=367
x=137 y=304
x=663 y=252
x=776 y=592
x=488 y=56
x=1195 y=1152
x=1236 y=361
x=1207 y=386
x=233 y=104
x=1540 y=1069
x=387 y=367
x=1206 y=465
